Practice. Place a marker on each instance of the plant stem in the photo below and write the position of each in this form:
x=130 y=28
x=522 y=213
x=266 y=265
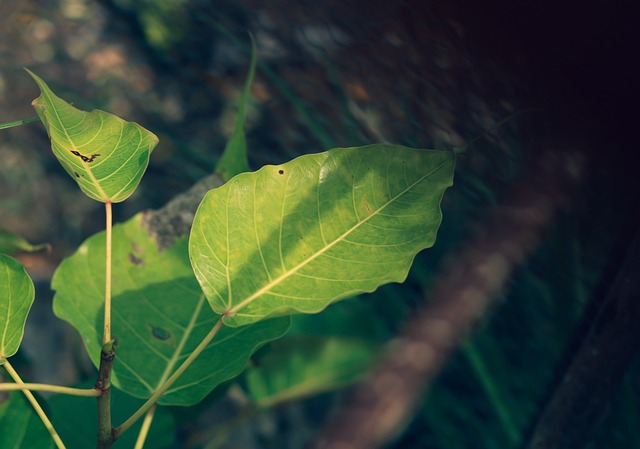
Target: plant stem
x=144 y=430
x=491 y=389
x=118 y=431
x=107 y=287
x=34 y=403
x=103 y=384
x=18 y=122
x=87 y=392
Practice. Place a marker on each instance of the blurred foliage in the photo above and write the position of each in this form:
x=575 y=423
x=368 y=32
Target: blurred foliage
x=343 y=74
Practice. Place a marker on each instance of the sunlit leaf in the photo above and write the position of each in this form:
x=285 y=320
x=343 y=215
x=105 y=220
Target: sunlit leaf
x=10 y=243
x=296 y=237
x=20 y=427
x=159 y=315
x=104 y=154
x=234 y=158
x=16 y=297
x=80 y=432
x=299 y=367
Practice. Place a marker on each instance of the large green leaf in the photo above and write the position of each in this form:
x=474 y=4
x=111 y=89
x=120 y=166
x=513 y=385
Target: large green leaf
x=159 y=314
x=296 y=237
x=104 y=154
x=20 y=426
x=16 y=297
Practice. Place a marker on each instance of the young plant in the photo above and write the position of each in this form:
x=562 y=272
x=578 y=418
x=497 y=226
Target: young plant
x=188 y=314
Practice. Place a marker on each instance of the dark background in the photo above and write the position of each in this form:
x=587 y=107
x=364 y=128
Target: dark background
x=346 y=73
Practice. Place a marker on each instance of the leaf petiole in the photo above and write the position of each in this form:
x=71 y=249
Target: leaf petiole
x=36 y=406
x=144 y=430
x=18 y=122
x=118 y=431
x=87 y=392
x=106 y=337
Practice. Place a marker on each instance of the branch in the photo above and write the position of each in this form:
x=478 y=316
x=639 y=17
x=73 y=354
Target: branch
x=384 y=401
x=103 y=384
x=598 y=366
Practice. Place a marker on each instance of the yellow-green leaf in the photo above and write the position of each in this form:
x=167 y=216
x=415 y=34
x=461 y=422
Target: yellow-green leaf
x=16 y=297
x=296 y=237
x=103 y=153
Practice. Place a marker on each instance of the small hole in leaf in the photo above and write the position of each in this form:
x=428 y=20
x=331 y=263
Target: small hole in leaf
x=281 y=172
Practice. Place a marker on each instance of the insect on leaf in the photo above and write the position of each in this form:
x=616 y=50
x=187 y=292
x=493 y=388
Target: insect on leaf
x=103 y=153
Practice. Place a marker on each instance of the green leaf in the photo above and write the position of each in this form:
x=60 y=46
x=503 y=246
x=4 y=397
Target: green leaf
x=159 y=315
x=16 y=297
x=296 y=237
x=80 y=432
x=104 y=154
x=299 y=367
x=10 y=243
x=234 y=158
x=20 y=426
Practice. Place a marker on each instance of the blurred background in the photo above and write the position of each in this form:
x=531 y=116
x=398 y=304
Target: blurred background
x=346 y=73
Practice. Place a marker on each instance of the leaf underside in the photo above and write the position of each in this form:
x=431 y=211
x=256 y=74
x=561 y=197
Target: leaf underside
x=159 y=315
x=104 y=154
x=296 y=237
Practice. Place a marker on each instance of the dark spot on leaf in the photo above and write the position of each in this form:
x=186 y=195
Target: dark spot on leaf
x=159 y=333
x=135 y=260
x=76 y=173
x=281 y=172
x=85 y=158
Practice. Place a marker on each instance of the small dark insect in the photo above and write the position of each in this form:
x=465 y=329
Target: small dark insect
x=281 y=172
x=76 y=173
x=85 y=158
x=159 y=333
